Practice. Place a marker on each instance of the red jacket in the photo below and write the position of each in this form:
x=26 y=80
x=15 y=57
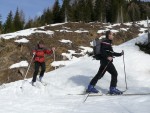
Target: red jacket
x=39 y=54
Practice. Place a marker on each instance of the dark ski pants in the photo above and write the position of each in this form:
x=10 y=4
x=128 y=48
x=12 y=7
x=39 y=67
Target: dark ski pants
x=37 y=65
x=111 y=69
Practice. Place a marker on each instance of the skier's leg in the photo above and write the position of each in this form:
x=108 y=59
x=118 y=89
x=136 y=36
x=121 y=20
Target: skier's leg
x=42 y=70
x=112 y=70
x=99 y=75
x=36 y=70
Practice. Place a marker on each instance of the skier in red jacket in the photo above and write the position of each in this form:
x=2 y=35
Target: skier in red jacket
x=39 y=60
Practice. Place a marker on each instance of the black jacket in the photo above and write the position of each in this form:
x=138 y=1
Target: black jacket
x=107 y=50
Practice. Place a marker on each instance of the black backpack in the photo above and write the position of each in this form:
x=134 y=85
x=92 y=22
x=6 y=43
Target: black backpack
x=97 y=48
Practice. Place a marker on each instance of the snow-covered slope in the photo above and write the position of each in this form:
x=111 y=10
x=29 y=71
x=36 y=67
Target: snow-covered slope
x=74 y=78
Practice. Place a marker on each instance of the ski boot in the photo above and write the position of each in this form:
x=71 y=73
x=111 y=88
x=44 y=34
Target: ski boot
x=33 y=83
x=40 y=79
x=42 y=82
x=115 y=91
x=91 y=89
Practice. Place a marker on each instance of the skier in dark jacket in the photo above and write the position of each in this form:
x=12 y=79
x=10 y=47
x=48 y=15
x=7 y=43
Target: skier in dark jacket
x=39 y=60
x=106 y=62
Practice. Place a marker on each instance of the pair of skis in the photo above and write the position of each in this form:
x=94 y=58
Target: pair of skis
x=108 y=94
x=38 y=83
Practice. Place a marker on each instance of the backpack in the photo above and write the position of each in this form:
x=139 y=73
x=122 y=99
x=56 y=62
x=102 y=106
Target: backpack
x=97 y=48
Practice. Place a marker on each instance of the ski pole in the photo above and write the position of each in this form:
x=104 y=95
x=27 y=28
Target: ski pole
x=106 y=67
x=29 y=67
x=101 y=73
x=54 y=56
x=27 y=71
x=86 y=97
x=125 y=72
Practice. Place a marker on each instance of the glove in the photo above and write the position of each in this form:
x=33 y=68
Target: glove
x=122 y=53
x=110 y=58
x=34 y=53
x=53 y=48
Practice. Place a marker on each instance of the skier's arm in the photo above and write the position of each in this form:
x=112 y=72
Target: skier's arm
x=47 y=51
x=115 y=53
x=33 y=51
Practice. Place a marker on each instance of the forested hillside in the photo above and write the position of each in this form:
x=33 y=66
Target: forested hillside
x=80 y=10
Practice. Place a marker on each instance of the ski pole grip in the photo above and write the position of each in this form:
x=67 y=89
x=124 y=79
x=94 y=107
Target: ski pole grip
x=122 y=52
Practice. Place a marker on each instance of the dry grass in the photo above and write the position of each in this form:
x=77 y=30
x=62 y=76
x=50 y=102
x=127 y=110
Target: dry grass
x=11 y=52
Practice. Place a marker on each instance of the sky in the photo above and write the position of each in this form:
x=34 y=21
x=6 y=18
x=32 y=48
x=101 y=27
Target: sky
x=30 y=9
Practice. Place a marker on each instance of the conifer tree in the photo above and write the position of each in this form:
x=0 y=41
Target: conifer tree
x=121 y=4
x=29 y=24
x=75 y=12
x=36 y=22
x=1 y=24
x=8 y=25
x=48 y=17
x=65 y=10
x=89 y=11
x=99 y=10
x=134 y=11
x=81 y=10
x=22 y=17
x=109 y=10
x=144 y=10
x=18 y=21
x=41 y=19
x=56 y=12
x=84 y=10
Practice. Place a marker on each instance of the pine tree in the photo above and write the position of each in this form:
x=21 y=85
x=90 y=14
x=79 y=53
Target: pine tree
x=48 y=17
x=36 y=22
x=144 y=10
x=148 y=9
x=120 y=10
x=135 y=1
x=56 y=12
x=89 y=11
x=109 y=10
x=18 y=21
x=22 y=17
x=8 y=25
x=65 y=10
x=75 y=12
x=134 y=11
x=1 y=25
x=29 y=24
x=114 y=10
x=99 y=10
x=81 y=10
